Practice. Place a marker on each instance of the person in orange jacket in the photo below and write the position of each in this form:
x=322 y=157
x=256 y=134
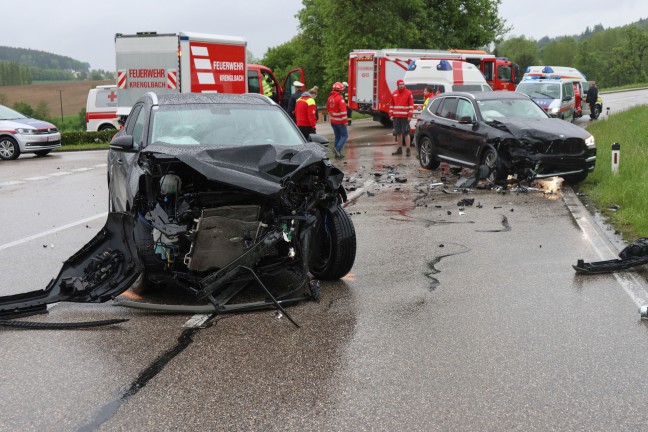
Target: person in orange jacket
x=337 y=109
x=401 y=110
x=305 y=114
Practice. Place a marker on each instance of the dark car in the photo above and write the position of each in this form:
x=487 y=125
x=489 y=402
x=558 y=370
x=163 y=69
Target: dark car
x=507 y=132
x=215 y=194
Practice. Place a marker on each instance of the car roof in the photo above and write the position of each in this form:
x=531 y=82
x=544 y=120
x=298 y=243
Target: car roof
x=487 y=95
x=208 y=98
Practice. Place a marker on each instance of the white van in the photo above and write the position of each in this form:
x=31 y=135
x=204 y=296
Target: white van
x=442 y=76
x=101 y=108
x=555 y=96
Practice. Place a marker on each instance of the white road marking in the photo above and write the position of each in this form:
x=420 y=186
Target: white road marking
x=11 y=183
x=82 y=169
x=36 y=178
x=62 y=173
x=632 y=285
x=52 y=231
x=103 y=165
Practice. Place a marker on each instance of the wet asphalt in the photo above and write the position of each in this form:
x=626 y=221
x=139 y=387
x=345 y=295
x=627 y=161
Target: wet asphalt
x=452 y=318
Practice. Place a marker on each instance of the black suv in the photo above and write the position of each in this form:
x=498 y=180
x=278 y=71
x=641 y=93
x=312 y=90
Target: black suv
x=219 y=195
x=507 y=132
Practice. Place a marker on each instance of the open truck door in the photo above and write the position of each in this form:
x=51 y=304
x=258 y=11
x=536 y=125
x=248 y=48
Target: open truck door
x=288 y=88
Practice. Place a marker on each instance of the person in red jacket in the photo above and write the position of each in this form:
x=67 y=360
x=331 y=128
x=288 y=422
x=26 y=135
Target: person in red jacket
x=305 y=114
x=401 y=109
x=337 y=109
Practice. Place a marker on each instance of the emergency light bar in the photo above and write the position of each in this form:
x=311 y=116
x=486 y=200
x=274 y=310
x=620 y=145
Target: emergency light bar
x=444 y=65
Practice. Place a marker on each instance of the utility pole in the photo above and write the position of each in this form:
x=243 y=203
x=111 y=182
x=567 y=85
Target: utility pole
x=61 y=99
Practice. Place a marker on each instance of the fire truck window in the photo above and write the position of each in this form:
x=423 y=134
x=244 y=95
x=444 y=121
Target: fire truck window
x=488 y=71
x=253 y=82
x=504 y=73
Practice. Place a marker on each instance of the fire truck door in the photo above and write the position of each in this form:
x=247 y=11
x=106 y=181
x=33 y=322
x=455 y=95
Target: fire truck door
x=288 y=88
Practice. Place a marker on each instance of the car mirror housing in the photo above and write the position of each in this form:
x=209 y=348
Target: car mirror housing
x=567 y=98
x=123 y=142
x=319 y=139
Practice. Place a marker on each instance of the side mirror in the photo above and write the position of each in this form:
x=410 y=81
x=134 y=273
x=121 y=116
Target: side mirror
x=122 y=142
x=567 y=98
x=319 y=139
x=466 y=120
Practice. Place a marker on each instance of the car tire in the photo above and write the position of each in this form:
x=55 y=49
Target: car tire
x=333 y=245
x=426 y=154
x=490 y=159
x=107 y=127
x=596 y=113
x=9 y=149
x=41 y=153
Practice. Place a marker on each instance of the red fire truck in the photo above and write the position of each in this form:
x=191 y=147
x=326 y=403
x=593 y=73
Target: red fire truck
x=373 y=74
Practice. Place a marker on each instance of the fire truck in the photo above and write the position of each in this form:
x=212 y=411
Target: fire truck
x=190 y=63
x=373 y=74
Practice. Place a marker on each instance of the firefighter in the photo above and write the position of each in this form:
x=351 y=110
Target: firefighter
x=269 y=87
x=299 y=90
x=591 y=99
x=345 y=94
x=305 y=114
x=338 y=111
x=401 y=110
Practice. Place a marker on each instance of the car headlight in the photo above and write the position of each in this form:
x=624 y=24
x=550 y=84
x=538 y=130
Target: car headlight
x=555 y=110
x=590 y=142
x=24 y=131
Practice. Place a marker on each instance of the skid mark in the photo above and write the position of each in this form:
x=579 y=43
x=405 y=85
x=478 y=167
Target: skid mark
x=434 y=282
x=505 y=224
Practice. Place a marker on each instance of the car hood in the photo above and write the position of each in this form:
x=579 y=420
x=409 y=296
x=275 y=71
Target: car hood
x=257 y=168
x=27 y=122
x=548 y=129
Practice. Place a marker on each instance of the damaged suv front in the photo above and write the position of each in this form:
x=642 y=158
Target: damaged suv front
x=218 y=195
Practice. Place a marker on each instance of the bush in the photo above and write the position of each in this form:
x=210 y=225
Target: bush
x=75 y=137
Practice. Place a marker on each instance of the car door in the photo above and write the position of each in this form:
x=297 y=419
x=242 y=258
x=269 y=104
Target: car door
x=120 y=162
x=443 y=128
x=466 y=140
x=288 y=88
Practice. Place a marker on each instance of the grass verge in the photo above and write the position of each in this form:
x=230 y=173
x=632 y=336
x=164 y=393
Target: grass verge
x=622 y=198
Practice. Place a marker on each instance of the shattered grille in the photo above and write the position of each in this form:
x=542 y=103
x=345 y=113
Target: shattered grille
x=570 y=146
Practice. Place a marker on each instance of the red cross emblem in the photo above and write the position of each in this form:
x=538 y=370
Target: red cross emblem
x=112 y=96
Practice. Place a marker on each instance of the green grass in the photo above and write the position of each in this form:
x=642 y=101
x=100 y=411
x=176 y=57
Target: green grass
x=76 y=147
x=628 y=189
x=625 y=87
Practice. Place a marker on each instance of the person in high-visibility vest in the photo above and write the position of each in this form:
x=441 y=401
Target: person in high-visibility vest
x=401 y=110
x=268 y=87
x=345 y=95
x=338 y=111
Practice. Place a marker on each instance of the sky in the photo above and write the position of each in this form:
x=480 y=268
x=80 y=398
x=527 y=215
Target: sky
x=85 y=30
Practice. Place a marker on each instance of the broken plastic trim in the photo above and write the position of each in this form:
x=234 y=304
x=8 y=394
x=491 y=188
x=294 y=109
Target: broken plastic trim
x=635 y=254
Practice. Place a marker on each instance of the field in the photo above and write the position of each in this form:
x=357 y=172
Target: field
x=72 y=94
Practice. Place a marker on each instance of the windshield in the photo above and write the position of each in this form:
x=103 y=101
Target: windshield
x=222 y=125
x=9 y=114
x=540 y=90
x=510 y=108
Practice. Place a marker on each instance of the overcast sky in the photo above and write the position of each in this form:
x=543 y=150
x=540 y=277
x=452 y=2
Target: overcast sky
x=86 y=30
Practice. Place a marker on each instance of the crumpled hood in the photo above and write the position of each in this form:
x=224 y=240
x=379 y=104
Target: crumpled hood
x=27 y=122
x=543 y=129
x=258 y=168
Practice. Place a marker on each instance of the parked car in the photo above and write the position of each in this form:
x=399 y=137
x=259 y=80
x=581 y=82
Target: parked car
x=508 y=132
x=21 y=134
x=218 y=195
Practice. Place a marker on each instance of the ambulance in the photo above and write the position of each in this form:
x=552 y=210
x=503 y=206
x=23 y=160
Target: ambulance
x=442 y=76
x=372 y=74
x=101 y=108
x=187 y=62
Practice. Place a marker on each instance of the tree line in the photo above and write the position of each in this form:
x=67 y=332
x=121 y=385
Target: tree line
x=330 y=29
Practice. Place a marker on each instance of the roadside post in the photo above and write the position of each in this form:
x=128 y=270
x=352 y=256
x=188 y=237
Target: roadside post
x=616 y=153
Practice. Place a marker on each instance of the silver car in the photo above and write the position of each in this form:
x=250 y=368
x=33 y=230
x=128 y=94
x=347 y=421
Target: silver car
x=20 y=134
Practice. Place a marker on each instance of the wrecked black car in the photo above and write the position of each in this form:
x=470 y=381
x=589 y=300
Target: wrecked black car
x=505 y=131
x=216 y=195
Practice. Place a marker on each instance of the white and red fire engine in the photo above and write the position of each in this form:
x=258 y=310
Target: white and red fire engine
x=190 y=63
x=373 y=74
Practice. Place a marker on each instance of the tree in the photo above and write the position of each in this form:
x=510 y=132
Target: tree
x=629 y=57
x=520 y=50
x=560 y=53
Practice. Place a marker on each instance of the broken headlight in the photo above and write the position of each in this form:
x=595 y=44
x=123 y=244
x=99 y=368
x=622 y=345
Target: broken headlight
x=590 y=142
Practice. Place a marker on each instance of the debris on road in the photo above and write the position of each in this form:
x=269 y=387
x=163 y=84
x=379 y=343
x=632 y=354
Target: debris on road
x=633 y=255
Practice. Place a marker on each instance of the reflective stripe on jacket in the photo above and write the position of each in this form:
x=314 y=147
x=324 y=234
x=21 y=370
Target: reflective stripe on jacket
x=305 y=112
x=337 y=108
x=401 y=104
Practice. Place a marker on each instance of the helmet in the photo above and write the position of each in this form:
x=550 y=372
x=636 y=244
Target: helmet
x=338 y=86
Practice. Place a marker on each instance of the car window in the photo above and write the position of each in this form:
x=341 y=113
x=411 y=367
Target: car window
x=540 y=90
x=417 y=91
x=465 y=110
x=568 y=89
x=493 y=109
x=253 y=82
x=9 y=114
x=449 y=108
x=222 y=125
x=435 y=105
x=138 y=129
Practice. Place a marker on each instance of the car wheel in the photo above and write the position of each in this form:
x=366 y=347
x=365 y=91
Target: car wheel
x=426 y=154
x=333 y=245
x=42 y=152
x=9 y=148
x=107 y=127
x=490 y=159
x=596 y=113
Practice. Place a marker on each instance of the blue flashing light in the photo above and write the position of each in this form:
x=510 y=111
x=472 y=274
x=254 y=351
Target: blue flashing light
x=547 y=69
x=531 y=78
x=444 y=65
x=528 y=69
x=412 y=65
